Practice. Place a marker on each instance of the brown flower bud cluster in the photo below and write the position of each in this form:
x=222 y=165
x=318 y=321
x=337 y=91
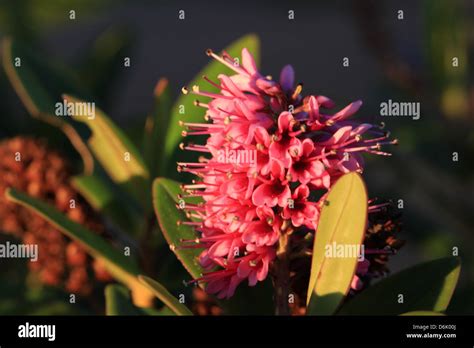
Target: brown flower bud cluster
x=382 y=234
x=28 y=165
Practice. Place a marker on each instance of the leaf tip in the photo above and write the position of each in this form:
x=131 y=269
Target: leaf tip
x=160 y=87
x=10 y=193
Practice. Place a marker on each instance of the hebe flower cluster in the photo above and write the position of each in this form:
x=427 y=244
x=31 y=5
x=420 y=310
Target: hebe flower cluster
x=286 y=150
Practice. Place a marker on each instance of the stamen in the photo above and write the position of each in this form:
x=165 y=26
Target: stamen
x=297 y=91
x=197 y=91
x=212 y=82
x=201 y=104
x=231 y=65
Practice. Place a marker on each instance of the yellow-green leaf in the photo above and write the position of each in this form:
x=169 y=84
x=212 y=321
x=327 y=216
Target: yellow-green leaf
x=422 y=313
x=108 y=201
x=341 y=225
x=427 y=286
x=165 y=296
x=116 y=153
x=119 y=302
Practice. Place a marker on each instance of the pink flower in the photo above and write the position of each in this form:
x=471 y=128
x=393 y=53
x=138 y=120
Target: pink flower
x=285 y=141
x=271 y=194
x=302 y=212
x=306 y=165
x=223 y=283
x=265 y=231
x=296 y=148
x=255 y=266
x=356 y=283
x=362 y=269
x=262 y=139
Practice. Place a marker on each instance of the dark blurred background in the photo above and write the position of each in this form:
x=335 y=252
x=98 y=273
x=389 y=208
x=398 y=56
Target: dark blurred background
x=405 y=59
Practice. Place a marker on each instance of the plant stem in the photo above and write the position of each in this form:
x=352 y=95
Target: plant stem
x=281 y=277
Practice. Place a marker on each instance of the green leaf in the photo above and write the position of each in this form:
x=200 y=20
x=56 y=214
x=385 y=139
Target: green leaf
x=104 y=199
x=45 y=18
x=196 y=114
x=103 y=61
x=164 y=295
x=119 y=302
x=425 y=287
x=422 y=313
x=165 y=192
x=342 y=224
x=155 y=127
x=39 y=84
x=110 y=146
x=165 y=311
x=121 y=267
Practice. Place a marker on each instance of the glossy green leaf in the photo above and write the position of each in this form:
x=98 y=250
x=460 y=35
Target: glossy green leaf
x=196 y=114
x=106 y=200
x=116 y=153
x=425 y=287
x=121 y=267
x=342 y=224
x=422 y=313
x=165 y=296
x=40 y=84
x=165 y=198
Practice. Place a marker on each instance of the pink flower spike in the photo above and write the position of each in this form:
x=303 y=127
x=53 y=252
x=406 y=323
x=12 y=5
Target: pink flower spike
x=260 y=167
